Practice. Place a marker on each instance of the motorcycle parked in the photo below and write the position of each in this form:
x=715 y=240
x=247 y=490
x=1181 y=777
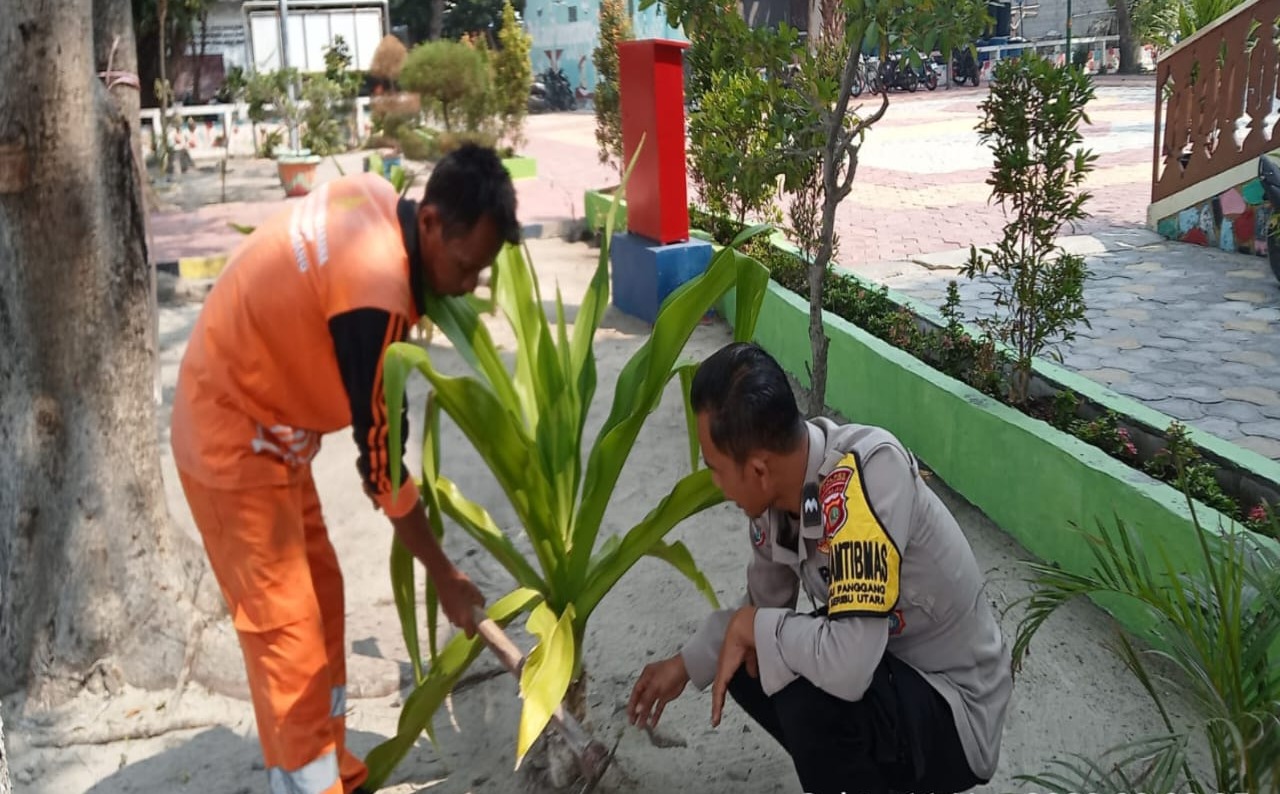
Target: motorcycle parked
x=1269 y=176
x=896 y=72
x=559 y=93
x=539 y=101
x=929 y=71
x=964 y=66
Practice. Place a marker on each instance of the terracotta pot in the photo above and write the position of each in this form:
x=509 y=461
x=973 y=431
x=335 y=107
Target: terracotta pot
x=297 y=172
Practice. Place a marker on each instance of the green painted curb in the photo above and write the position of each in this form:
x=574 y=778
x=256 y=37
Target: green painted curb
x=1034 y=481
x=595 y=206
x=521 y=167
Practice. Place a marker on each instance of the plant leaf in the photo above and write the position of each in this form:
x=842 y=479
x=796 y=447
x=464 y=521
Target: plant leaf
x=546 y=674
x=430 y=475
x=687 y=372
x=404 y=588
x=491 y=427
x=477 y=522
x=693 y=494
x=642 y=381
x=677 y=554
x=421 y=705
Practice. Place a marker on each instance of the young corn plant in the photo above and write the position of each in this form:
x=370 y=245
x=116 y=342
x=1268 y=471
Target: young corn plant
x=528 y=426
x=1217 y=627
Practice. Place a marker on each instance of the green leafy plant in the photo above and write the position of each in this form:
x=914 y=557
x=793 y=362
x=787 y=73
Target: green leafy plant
x=480 y=109
x=447 y=75
x=528 y=426
x=733 y=150
x=512 y=78
x=1180 y=461
x=615 y=27
x=337 y=68
x=1216 y=624
x=322 y=130
x=1032 y=122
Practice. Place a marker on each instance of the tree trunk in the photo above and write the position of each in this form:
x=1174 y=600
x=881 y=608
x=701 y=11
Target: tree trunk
x=5 y=786
x=195 y=78
x=437 y=19
x=93 y=579
x=1129 y=46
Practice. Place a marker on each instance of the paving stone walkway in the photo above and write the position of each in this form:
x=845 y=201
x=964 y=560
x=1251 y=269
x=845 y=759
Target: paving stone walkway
x=1192 y=332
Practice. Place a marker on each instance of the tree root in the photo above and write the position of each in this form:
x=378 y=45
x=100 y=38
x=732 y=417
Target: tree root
x=109 y=734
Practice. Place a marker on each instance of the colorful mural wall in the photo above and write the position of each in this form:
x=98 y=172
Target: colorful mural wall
x=1235 y=220
x=564 y=34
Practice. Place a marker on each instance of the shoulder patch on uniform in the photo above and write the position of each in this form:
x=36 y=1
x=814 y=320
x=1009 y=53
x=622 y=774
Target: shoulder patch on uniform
x=865 y=562
x=834 y=503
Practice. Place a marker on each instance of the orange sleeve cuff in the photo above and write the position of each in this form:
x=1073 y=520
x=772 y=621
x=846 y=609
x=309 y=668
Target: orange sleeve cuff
x=399 y=504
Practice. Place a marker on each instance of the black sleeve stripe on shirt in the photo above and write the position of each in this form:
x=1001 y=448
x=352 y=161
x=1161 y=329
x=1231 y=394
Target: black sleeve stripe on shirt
x=360 y=339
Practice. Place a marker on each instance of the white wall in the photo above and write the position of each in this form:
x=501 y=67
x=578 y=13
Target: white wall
x=225 y=35
x=1050 y=20
x=311 y=30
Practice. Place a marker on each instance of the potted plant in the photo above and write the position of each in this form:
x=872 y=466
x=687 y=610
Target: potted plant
x=296 y=167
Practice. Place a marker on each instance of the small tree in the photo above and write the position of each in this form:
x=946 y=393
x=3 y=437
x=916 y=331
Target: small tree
x=826 y=137
x=807 y=102
x=733 y=148
x=1032 y=122
x=446 y=74
x=615 y=27
x=321 y=106
x=388 y=61
x=480 y=109
x=512 y=77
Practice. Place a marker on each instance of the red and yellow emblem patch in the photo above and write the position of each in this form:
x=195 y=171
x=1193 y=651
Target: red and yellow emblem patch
x=834 y=505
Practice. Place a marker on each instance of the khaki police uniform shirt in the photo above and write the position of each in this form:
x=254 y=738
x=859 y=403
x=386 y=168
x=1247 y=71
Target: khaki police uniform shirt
x=895 y=572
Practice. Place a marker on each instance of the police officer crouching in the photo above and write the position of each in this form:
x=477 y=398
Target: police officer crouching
x=900 y=680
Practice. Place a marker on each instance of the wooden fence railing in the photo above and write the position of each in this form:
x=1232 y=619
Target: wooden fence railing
x=1216 y=99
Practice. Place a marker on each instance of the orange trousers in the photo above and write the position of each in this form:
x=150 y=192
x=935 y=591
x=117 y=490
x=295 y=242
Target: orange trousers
x=271 y=554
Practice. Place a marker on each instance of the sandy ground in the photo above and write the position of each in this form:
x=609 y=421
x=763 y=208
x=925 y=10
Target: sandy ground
x=1073 y=696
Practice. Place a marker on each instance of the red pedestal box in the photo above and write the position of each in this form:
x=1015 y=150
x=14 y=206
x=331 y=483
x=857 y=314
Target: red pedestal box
x=651 y=89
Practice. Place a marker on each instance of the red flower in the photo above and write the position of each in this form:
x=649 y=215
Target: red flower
x=1258 y=514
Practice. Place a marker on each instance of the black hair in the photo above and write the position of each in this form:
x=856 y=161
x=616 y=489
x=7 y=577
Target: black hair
x=749 y=400
x=469 y=183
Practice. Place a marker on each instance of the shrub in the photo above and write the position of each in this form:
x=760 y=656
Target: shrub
x=615 y=27
x=388 y=60
x=449 y=76
x=512 y=78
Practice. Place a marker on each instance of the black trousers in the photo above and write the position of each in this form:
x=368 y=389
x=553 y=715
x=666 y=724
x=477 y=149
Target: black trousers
x=901 y=737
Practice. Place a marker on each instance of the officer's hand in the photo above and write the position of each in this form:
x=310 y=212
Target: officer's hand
x=459 y=597
x=739 y=648
x=659 y=684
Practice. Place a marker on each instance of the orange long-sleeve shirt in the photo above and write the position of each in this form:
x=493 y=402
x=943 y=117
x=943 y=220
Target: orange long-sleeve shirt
x=290 y=341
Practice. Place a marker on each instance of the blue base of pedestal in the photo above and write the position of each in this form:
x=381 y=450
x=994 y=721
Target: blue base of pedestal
x=644 y=273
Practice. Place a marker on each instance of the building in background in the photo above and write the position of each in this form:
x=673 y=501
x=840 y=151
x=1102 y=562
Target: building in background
x=565 y=32
x=245 y=34
x=313 y=25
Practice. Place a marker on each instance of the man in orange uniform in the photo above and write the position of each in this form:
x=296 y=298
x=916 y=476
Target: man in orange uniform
x=288 y=347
